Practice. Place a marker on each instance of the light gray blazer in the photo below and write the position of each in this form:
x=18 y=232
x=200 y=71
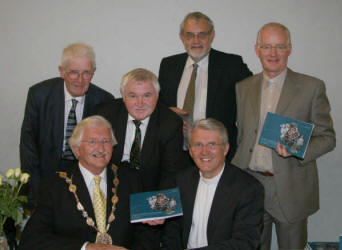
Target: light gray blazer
x=303 y=98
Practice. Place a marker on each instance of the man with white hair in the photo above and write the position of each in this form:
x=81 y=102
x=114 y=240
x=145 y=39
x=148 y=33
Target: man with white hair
x=53 y=108
x=149 y=134
x=87 y=206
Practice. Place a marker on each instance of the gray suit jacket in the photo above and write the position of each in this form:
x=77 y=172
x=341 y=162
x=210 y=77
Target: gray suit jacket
x=303 y=98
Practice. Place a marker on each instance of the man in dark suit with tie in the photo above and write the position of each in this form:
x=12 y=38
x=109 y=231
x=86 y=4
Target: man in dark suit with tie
x=149 y=134
x=222 y=205
x=87 y=206
x=291 y=184
x=201 y=83
x=53 y=108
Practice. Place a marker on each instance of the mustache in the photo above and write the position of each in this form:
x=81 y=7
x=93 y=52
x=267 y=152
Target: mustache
x=100 y=154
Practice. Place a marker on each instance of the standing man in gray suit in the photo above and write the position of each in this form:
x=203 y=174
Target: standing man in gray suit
x=291 y=184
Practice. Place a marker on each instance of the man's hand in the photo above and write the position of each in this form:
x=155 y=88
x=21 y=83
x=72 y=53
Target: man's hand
x=182 y=113
x=281 y=150
x=92 y=246
x=154 y=222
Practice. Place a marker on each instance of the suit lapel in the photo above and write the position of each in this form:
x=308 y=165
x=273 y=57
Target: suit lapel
x=220 y=200
x=254 y=99
x=110 y=185
x=214 y=73
x=149 y=139
x=57 y=102
x=120 y=133
x=88 y=103
x=288 y=93
x=188 y=202
x=82 y=191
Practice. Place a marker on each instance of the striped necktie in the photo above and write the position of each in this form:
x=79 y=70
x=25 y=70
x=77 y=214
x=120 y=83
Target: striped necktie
x=71 y=124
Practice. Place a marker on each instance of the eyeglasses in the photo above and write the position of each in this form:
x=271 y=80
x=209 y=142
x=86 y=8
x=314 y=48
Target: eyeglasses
x=94 y=142
x=210 y=146
x=200 y=36
x=278 y=47
x=74 y=74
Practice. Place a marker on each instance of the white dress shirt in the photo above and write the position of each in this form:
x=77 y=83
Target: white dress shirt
x=90 y=183
x=130 y=134
x=204 y=199
x=201 y=85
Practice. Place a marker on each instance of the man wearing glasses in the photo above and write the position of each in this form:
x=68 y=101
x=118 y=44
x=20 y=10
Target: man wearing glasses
x=222 y=205
x=291 y=184
x=201 y=82
x=53 y=108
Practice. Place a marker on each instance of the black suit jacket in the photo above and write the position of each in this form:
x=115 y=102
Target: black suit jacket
x=57 y=224
x=162 y=146
x=236 y=214
x=42 y=131
x=224 y=71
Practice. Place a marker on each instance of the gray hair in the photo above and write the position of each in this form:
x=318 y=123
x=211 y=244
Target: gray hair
x=212 y=125
x=274 y=25
x=142 y=75
x=78 y=50
x=94 y=121
x=196 y=16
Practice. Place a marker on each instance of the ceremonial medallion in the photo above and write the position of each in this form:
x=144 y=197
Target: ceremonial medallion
x=104 y=238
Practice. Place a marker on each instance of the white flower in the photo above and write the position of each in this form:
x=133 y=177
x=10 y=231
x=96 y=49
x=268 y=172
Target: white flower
x=17 y=172
x=24 y=177
x=10 y=173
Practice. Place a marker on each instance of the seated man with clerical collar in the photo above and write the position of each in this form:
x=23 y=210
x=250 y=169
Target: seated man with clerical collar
x=223 y=206
x=87 y=207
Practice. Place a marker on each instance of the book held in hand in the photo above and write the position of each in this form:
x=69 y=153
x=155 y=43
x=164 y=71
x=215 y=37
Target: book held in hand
x=294 y=134
x=160 y=204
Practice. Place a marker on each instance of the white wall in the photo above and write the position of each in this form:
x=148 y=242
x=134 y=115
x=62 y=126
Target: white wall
x=133 y=33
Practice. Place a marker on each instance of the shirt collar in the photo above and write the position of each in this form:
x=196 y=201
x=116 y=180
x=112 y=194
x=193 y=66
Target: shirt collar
x=89 y=176
x=143 y=122
x=203 y=63
x=278 y=79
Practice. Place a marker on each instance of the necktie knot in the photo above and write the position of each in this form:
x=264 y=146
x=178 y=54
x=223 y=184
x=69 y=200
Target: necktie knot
x=137 y=123
x=74 y=103
x=195 y=66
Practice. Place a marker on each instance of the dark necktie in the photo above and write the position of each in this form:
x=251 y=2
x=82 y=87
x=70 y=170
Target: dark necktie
x=71 y=124
x=189 y=100
x=135 y=155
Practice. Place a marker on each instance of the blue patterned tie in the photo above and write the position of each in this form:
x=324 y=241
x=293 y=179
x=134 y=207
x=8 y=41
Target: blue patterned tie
x=71 y=124
x=135 y=155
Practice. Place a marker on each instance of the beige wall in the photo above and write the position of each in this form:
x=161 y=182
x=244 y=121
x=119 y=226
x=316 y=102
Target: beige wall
x=129 y=34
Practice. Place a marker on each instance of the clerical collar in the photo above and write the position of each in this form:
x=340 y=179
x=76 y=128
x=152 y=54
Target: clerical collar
x=69 y=97
x=214 y=180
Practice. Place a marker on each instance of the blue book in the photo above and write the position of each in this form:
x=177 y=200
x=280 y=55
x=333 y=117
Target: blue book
x=294 y=134
x=155 y=205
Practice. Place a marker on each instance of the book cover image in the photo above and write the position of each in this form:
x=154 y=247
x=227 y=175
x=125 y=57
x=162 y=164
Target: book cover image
x=294 y=134
x=155 y=205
